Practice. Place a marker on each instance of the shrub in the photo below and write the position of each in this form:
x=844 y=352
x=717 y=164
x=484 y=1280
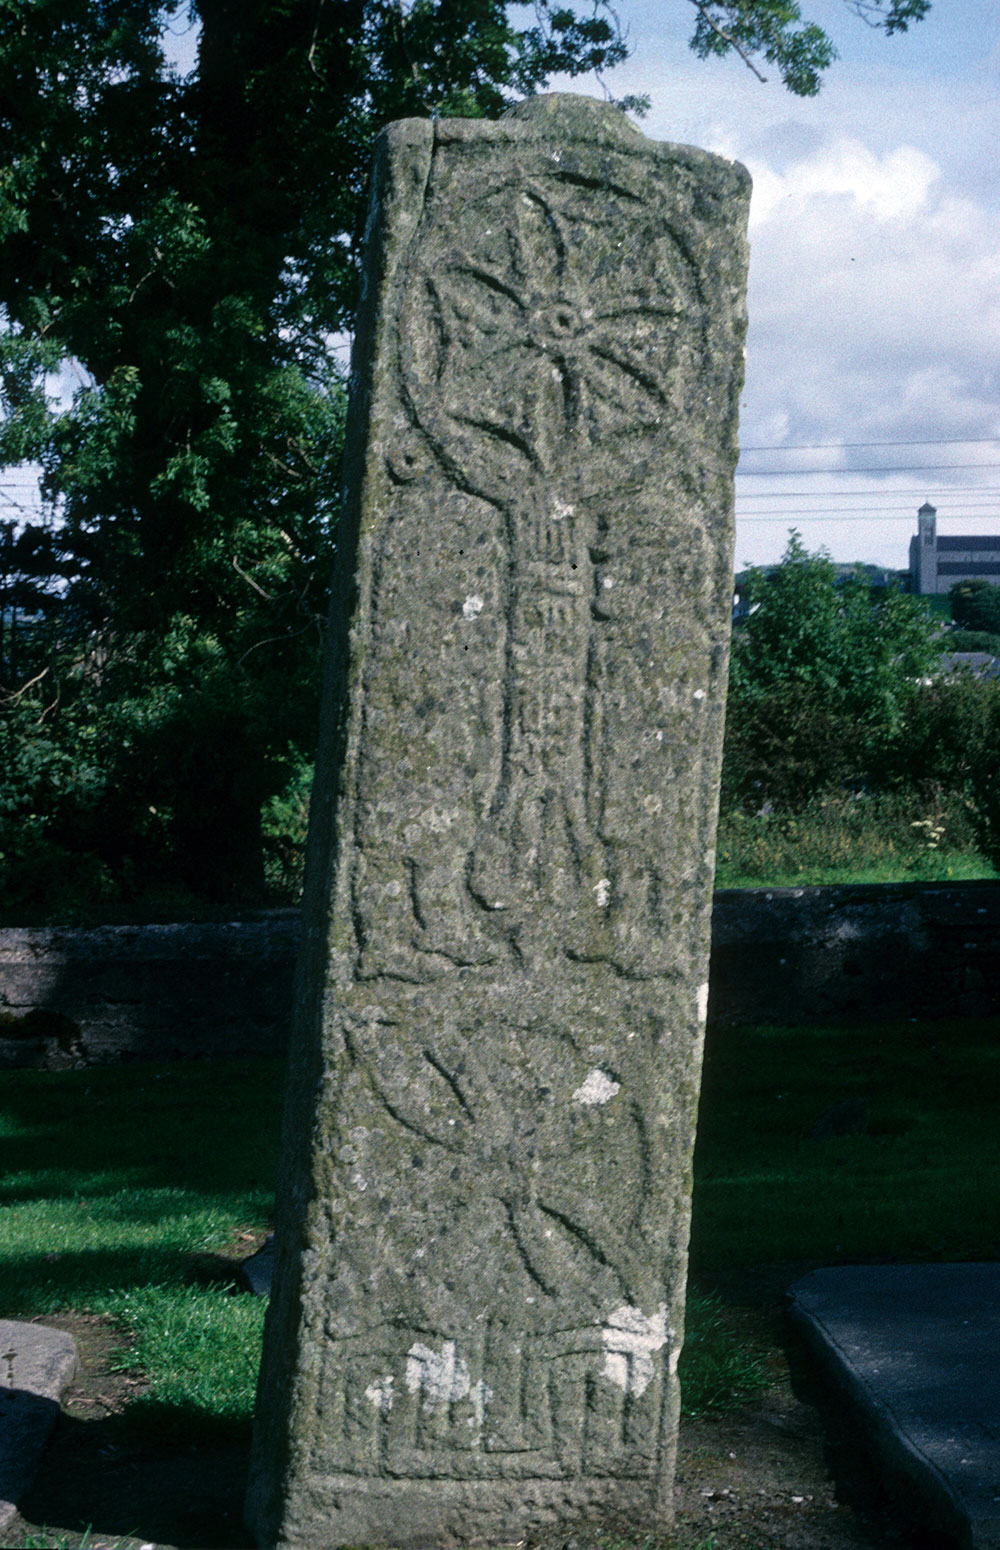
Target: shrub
x=823 y=673
x=968 y=640
x=976 y=605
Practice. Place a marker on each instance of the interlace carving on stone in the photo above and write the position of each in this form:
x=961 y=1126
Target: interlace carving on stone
x=518 y=363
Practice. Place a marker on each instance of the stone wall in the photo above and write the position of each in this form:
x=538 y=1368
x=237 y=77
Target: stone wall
x=73 y=997
x=116 y=993
x=891 y=950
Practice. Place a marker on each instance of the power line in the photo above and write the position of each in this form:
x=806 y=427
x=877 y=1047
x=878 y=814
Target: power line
x=832 y=446
x=905 y=468
x=789 y=495
x=873 y=512
x=793 y=518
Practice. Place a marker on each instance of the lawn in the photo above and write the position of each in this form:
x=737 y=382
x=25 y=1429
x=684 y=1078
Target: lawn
x=161 y=1177
x=118 y=1186
x=913 y=1176
x=124 y=1190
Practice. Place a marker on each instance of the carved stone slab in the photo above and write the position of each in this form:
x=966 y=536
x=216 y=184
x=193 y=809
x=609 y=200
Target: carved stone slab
x=484 y=1209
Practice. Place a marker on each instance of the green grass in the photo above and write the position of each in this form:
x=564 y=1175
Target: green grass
x=44 y=1539
x=717 y=1372
x=159 y=1166
x=919 y=1184
x=854 y=838
x=117 y=1183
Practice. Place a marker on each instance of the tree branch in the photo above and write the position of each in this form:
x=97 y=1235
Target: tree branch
x=237 y=567
x=701 y=6
x=13 y=695
x=311 y=56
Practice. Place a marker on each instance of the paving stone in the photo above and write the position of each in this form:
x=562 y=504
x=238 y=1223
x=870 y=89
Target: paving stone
x=913 y=1352
x=36 y=1364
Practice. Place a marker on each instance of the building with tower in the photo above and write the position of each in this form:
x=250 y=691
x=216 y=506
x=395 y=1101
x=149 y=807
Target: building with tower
x=936 y=562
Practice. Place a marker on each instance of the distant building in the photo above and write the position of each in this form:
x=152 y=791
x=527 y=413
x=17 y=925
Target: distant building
x=936 y=563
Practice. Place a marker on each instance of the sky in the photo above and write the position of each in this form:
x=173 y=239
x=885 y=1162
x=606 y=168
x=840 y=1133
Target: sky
x=873 y=353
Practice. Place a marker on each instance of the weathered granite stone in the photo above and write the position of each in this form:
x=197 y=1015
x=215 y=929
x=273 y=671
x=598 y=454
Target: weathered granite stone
x=483 y=1214
x=36 y=1365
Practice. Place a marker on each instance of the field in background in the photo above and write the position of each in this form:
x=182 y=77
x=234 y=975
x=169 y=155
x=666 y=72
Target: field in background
x=848 y=1143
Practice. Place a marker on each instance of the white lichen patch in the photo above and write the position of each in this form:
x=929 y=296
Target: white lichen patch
x=380 y=1394
x=440 y=1377
x=437 y=820
x=602 y=892
x=599 y=1087
x=699 y=694
x=702 y=1002
x=631 y=1340
x=480 y=1394
x=473 y=606
x=607 y=582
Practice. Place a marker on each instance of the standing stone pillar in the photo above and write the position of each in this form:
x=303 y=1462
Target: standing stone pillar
x=483 y=1214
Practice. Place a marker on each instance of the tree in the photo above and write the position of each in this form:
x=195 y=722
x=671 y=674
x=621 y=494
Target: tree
x=770 y=29
x=191 y=246
x=186 y=249
x=824 y=672
x=975 y=605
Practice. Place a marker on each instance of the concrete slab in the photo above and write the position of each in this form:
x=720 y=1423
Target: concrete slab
x=36 y=1364
x=913 y=1352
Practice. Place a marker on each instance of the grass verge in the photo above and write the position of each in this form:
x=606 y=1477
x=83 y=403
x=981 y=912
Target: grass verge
x=119 y=1186
x=852 y=838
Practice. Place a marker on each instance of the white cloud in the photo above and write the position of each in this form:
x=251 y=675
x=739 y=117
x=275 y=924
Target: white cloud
x=891 y=187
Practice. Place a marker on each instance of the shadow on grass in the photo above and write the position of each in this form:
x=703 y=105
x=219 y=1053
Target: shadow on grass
x=37 y=1282
x=141 y=1128
x=159 y=1473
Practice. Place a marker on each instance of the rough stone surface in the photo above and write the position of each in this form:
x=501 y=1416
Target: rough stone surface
x=483 y=1216
x=912 y=1356
x=36 y=1364
x=257 y=1270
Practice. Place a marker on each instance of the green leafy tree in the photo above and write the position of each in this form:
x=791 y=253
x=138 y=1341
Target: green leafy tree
x=190 y=246
x=824 y=673
x=184 y=249
x=975 y=605
x=773 y=31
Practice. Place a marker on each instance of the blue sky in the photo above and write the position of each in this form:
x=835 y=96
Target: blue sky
x=875 y=271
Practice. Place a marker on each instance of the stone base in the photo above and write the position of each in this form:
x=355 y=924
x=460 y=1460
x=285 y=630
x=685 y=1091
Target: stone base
x=420 y=1514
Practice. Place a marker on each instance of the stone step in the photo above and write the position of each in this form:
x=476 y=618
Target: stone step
x=911 y=1357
